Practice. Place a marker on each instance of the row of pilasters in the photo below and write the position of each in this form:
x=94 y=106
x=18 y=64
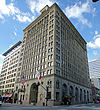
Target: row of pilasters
x=83 y=95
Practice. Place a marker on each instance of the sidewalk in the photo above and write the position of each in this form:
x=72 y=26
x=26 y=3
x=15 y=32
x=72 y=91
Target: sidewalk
x=13 y=104
x=30 y=105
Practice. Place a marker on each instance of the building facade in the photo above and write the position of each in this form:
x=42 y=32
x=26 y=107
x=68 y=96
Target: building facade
x=94 y=68
x=96 y=82
x=52 y=46
x=9 y=69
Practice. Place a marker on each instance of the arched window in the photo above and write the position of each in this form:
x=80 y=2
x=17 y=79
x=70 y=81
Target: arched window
x=64 y=90
x=76 y=94
x=87 y=96
x=80 y=94
x=71 y=91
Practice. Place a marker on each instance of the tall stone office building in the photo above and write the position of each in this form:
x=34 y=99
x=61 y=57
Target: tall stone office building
x=52 y=46
x=9 y=69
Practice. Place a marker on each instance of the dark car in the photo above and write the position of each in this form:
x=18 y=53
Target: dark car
x=0 y=100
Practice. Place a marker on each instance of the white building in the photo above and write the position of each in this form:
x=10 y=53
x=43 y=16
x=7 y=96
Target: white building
x=94 y=70
x=96 y=82
x=9 y=69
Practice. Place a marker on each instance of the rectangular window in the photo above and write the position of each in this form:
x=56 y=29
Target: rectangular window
x=51 y=56
x=51 y=71
x=48 y=71
x=51 y=49
x=52 y=63
x=48 y=50
x=57 y=96
x=49 y=95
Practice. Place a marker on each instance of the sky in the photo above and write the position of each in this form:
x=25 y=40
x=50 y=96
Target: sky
x=15 y=15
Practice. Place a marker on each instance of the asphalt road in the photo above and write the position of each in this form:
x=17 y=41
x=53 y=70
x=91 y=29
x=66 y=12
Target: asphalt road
x=71 y=107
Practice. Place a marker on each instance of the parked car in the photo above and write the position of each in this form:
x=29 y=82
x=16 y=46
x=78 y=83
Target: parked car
x=0 y=100
x=97 y=102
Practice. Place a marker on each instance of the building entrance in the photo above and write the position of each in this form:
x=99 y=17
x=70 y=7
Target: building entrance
x=33 y=93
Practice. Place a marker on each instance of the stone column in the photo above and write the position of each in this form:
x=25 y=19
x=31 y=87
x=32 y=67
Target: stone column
x=82 y=95
x=79 y=96
x=73 y=100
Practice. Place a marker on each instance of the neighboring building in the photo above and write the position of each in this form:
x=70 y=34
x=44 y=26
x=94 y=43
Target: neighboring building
x=52 y=46
x=95 y=93
x=96 y=82
x=94 y=68
x=9 y=69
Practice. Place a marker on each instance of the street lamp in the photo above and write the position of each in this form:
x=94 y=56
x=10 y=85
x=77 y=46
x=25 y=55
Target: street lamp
x=47 y=86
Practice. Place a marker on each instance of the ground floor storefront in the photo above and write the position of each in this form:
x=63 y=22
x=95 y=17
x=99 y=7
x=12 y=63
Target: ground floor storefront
x=51 y=91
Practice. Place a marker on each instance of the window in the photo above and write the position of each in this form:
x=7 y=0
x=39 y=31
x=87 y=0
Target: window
x=45 y=52
x=57 y=84
x=50 y=32
x=57 y=50
x=48 y=50
x=48 y=71
x=52 y=63
x=57 y=96
x=44 y=73
x=49 y=95
x=57 y=57
x=51 y=56
x=45 y=66
x=51 y=43
x=51 y=71
x=51 y=49
x=57 y=64
x=45 y=46
x=49 y=84
x=49 y=27
x=58 y=72
x=42 y=60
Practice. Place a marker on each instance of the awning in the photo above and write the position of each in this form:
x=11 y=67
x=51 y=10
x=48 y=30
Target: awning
x=7 y=95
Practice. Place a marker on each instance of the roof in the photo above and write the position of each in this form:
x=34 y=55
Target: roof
x=14 y=46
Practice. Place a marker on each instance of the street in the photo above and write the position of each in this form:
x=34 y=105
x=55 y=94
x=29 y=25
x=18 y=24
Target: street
x=31 y=107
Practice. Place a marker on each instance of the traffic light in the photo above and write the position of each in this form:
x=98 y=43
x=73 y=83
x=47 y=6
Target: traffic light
x=95 y=0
